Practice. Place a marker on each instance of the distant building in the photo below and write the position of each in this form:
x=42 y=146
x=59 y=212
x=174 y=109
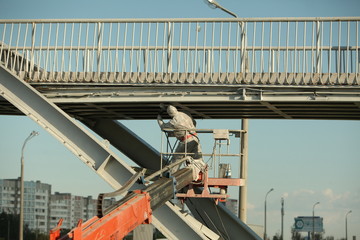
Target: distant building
x=232 y=205
x=36 y=202
x=61 y=207
x=43 y=210
x=71 y=209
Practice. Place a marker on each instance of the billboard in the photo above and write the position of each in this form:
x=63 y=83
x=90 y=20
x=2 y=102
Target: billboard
x=305 y=224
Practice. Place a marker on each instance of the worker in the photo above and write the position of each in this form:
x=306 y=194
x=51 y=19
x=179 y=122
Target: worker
x=188 y=140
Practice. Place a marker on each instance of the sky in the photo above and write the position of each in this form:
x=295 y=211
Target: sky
x=305 y=161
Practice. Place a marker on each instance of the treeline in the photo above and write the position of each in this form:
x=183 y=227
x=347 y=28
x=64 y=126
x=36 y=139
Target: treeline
x=9 y=229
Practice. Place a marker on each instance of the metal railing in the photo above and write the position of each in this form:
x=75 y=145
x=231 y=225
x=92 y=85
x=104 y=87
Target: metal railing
x=299 y=50
x=222 y=146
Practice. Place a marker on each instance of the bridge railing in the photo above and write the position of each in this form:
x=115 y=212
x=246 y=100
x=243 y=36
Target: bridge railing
x=319 y=50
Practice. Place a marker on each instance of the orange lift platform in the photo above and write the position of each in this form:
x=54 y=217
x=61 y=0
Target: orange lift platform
x=137 y=206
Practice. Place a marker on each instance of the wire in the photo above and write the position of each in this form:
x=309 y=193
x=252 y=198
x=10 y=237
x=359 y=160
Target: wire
x=214 y=225
x=222 y=223
x=168 y=145
x=212 y=156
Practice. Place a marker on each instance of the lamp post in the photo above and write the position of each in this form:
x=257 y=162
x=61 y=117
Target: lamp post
x=313 y=220
x=21 y=227
x=244 y=58
x=282 y=219
x=346 y=235
x=272 y=189
x=245 y=122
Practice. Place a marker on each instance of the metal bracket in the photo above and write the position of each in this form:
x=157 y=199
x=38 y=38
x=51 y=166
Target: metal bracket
x=174 y=186
x=121 y=191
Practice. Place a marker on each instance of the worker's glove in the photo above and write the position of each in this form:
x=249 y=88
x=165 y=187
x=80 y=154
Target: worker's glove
x=159 y=117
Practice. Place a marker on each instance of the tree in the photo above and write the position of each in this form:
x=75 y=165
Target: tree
x=9 y=229
x=9 y=226
x=34 y=234
x=277 y=237
x=295 y=235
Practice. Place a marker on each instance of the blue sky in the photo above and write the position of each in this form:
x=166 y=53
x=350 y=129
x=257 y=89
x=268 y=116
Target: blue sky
x=305 y=161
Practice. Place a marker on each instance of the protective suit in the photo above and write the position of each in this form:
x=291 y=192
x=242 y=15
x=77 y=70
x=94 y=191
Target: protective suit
x=188 y=140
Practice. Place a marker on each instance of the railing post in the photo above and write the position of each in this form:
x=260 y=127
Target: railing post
x=99 y=48
x=169 y=50
x=244 y=57
x=318 y=41
x=32 y=58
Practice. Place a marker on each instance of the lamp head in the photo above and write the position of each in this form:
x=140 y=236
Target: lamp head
x=34 y=133
x=211 y=3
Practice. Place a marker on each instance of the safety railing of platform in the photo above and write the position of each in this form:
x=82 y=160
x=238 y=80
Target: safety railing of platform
x=176 y=46
x=215 y=147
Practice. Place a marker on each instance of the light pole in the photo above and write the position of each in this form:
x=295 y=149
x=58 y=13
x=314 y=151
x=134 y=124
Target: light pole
x=245 y=122
x=244 y=58
x=272 y=189
x=21 y=227
x=313 y=220
x=282 y=219
x=346 y=237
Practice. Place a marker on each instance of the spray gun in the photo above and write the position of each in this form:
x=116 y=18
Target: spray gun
x=162 y=108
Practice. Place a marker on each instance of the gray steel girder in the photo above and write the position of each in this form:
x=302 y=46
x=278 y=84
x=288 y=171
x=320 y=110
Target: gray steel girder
x=215 y=217
x=89 y=149
x=116 y=133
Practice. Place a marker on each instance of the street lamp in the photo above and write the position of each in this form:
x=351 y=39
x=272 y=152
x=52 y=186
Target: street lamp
x=346 y=237
x=21 y=228
x=213 y=4
x=282 y=219
x=244 y=57
x=244 y=158
x=313 y=220
x=272 y=189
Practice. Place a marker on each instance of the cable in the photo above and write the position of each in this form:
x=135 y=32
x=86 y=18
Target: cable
x=222 y=223
x=214 y=225
x=212 y=156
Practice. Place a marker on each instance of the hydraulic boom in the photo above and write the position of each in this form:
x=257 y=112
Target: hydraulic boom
x=137 y=206
x=134 y=209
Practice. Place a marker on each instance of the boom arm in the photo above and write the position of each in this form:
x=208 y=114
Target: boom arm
x=137 y=206
x=132 y=211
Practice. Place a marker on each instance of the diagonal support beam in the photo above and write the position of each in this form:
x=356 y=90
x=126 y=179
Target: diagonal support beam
x=91 y=151
x=276 y=110
x=117 y=134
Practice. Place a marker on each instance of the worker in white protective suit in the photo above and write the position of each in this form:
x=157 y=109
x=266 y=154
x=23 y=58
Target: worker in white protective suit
x=188 y=140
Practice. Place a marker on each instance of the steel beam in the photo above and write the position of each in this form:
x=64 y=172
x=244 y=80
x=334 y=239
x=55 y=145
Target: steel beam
x=89 y=149
x=117 y=133
x=219 y=219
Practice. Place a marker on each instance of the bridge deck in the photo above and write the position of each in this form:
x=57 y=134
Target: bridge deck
x=128 y=102
x=292 y=68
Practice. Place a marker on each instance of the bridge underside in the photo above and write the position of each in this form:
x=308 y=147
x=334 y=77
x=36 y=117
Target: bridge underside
x=124 y=101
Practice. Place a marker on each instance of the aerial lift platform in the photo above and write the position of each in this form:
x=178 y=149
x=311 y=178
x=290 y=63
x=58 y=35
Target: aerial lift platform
x=136 y=207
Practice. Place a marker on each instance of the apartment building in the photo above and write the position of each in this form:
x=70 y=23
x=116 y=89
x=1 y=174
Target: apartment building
x=43 y=210
x=71 y=209
x=36 y=201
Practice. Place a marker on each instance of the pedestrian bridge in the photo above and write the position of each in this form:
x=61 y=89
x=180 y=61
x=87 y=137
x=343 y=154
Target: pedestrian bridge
x=99 y=71
x=304 y=68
